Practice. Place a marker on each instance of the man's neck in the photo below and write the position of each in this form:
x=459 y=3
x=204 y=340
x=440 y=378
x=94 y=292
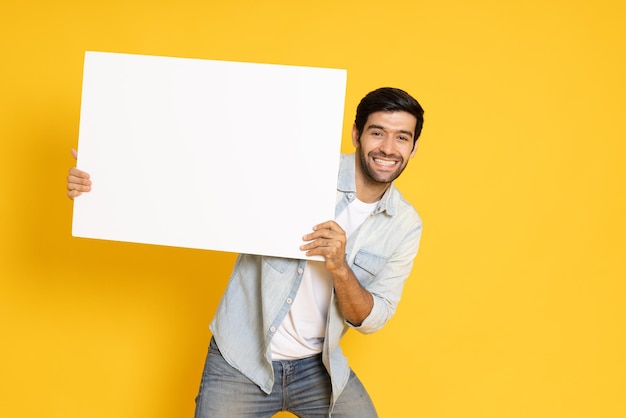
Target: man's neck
x=368 y=191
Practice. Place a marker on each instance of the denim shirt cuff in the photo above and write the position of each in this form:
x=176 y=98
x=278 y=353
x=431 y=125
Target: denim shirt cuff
x=375 y=320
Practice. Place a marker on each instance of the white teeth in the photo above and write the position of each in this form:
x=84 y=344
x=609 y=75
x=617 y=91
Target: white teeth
x=384 y=162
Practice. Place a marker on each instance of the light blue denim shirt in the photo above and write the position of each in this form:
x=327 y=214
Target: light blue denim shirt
x=261 y=289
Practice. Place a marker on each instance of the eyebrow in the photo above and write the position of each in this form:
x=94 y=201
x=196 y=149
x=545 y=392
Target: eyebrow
x=382 y=128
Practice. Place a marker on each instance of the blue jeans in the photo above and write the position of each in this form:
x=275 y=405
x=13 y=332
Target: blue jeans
x=301 y=387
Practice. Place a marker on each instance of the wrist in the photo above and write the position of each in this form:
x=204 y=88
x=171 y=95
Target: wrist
x=341 y=271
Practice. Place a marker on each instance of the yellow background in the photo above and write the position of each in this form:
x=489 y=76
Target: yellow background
x=516 y=306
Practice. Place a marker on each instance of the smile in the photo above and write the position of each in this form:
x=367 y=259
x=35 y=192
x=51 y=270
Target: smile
x=386 y=163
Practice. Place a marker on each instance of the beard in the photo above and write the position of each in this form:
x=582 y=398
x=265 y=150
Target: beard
x=373 y=175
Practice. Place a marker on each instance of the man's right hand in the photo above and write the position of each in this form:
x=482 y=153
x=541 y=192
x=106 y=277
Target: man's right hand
x=77 y=181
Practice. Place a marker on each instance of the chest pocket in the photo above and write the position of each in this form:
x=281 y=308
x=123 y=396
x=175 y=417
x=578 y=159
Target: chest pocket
x=369 y=265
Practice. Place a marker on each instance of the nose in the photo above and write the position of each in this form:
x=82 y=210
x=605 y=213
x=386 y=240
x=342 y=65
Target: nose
x=387 y=145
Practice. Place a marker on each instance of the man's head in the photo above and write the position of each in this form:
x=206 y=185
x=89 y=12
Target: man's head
x=387 y=126
x=389 y=99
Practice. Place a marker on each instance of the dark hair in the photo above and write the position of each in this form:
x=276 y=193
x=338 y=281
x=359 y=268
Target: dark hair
x=389 y=99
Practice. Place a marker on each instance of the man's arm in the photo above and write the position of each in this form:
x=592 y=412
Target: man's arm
x=329 y=240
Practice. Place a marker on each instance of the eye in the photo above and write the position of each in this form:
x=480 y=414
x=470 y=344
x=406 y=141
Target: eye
x=403 y=138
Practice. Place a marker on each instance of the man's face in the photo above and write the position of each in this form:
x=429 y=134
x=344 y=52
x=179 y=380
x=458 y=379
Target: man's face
x=385 y=145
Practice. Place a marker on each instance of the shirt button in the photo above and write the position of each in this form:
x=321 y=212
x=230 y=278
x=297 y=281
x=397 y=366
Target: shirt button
x=289 y=300
x=273 y=329
x=300 y=271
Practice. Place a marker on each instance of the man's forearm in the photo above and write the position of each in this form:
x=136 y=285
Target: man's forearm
x=355 y=301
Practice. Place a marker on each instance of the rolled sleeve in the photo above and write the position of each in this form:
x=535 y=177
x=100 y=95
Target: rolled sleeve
x=386 y=287
x=377 y=318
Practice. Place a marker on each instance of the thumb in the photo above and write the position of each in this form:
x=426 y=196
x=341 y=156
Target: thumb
x=74 y=153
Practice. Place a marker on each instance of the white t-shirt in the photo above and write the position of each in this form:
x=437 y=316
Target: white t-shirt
x=301 y=334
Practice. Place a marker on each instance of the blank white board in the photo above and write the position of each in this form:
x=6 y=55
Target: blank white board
x=227 y=156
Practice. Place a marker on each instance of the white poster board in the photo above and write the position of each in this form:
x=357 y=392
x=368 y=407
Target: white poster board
x=227 y=156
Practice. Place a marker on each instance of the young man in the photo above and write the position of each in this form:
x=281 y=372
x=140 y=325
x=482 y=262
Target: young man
x=276 y=332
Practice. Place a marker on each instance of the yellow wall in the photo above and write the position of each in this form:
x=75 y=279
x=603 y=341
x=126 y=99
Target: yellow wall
x=516 y=307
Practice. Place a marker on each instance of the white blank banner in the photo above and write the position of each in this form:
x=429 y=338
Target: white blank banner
x=218 y=155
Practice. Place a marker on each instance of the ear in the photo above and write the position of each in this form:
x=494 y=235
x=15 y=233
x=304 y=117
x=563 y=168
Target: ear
x=355 y=136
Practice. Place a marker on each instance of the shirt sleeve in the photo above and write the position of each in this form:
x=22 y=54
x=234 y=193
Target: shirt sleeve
x=386 y=288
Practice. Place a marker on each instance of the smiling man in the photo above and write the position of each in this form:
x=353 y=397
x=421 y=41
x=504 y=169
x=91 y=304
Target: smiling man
x=276 y=332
